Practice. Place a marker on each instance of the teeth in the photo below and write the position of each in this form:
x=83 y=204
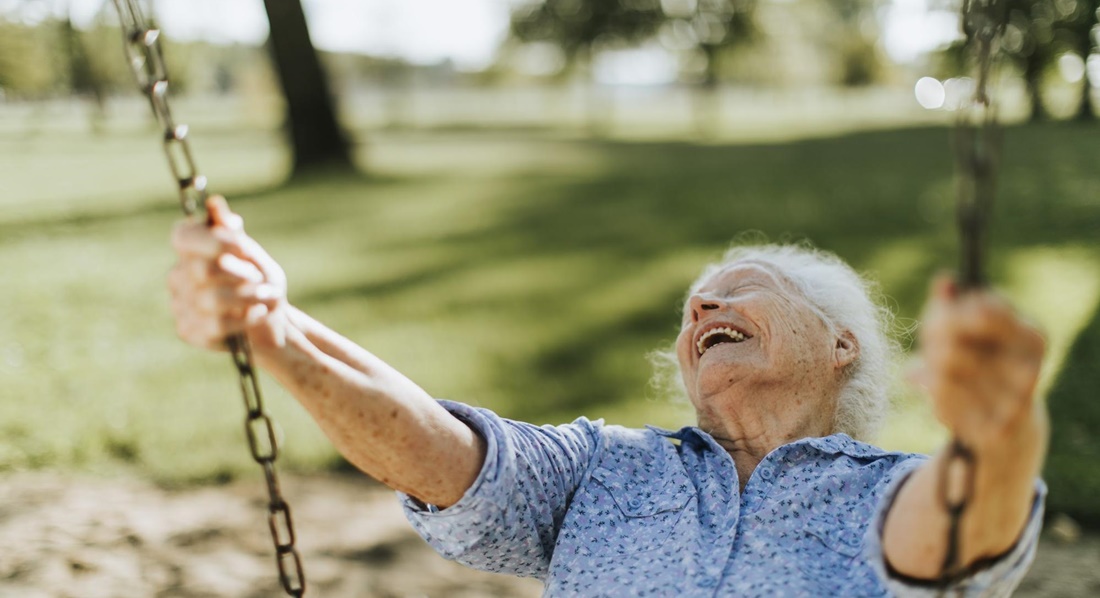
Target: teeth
x=730 y=332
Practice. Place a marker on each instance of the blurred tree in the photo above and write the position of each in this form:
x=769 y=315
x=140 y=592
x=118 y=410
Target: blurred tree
x=1030 y=43
x=84 y=80
x=580 y=27
x=854 y=40
x=576 y=26
x=316 y=137
x=26 y=68
x=712 y=28
x=1038 y=32
x=1027 y=43
x=1077 y=24
x=29 y=67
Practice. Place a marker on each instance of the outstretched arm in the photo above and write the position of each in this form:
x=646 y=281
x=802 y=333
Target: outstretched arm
x=382 y=422
x=980 y=366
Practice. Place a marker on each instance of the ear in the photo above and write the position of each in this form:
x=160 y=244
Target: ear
x=846 y=350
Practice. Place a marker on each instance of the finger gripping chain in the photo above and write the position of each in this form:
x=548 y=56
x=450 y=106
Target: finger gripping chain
x=142 y=48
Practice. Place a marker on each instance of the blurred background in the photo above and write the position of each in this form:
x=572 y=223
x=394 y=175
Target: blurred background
x=506 y=200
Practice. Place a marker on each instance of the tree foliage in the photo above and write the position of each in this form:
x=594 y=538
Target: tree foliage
x=703 y=33
x=1076 y=25
x=577 y=25
x=854 y=41
x=52 y=57
x=712 y=26
x=1037 y=34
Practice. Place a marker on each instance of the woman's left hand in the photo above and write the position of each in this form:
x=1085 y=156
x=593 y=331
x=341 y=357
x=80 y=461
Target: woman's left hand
x=980 y=364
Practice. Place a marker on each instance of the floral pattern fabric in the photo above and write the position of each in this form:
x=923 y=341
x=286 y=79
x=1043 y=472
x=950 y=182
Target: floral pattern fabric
x=598 y=510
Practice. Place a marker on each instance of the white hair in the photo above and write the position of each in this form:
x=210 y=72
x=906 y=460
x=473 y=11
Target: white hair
x=845 y=301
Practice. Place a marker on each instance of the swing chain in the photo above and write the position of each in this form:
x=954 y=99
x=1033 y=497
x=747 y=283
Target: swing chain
x=264 y=446
x=959 y=459
x=977 y=141
x=143 y=52
x=978 y=138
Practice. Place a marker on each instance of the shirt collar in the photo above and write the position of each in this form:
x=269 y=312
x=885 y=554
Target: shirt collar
x=834 y=444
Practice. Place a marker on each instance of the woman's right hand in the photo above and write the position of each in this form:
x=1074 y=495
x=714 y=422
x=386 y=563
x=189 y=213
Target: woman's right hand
x=225 y=283
x=381 y=421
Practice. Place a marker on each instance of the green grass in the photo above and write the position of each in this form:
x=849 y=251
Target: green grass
x=527 y=273
x=1073 y=465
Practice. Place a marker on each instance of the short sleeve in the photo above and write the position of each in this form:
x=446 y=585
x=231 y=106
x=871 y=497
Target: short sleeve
x=997 y=578
x=508 y=520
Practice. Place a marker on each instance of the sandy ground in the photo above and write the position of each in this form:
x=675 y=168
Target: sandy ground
x=90 y=538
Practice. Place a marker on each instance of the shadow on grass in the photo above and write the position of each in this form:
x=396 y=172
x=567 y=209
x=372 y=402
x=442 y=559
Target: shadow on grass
x=534 y=284
x=1073 y=464
x=852 y=194
x=10 y=231
x=141 y=208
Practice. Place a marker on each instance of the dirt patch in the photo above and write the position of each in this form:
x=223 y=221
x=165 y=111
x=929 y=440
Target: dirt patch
x=90 y=538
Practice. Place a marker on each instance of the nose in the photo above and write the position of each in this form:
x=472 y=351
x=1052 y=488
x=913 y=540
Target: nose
x=703 y=303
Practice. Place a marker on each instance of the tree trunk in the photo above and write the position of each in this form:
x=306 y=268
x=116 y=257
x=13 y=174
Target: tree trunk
x=1085 y=111
x=316 y=137
x=707 y=105
x=84 y=82
x=1033 y=75
x=599 y=105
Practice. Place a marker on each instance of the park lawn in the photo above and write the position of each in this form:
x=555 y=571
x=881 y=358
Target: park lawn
x=529 y=273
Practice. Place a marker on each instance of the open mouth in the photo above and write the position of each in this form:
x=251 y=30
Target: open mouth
x=719 y=335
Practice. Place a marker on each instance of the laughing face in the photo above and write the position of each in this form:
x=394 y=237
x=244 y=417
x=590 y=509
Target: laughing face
x=749 y=332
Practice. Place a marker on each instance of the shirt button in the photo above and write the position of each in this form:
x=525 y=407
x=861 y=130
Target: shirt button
x=766 y=473
x=634 y=503
x=707 y=582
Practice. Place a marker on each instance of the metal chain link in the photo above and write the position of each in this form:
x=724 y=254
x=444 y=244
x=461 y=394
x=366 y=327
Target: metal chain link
x=978 y=137
x=977 y=141
x=959 y=460
x=142 y=48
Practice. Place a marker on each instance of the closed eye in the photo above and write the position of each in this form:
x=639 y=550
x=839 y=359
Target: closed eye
x=742 y=288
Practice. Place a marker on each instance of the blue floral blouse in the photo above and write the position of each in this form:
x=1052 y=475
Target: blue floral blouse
x=598 y=510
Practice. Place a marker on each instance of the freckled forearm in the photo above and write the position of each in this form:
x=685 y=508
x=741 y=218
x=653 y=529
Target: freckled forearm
x=915 y=534
x=377 y=418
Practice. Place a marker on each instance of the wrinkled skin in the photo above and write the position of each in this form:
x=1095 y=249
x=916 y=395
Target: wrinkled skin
x=980 y=363
x=776 y=386
x=980 y=366
x=382 y=422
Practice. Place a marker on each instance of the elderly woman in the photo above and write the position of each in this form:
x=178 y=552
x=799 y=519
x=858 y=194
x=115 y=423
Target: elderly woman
x=784 y=357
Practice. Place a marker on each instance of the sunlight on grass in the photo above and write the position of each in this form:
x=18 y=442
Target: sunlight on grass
x=1057 y=286
x=895 y=262
x=88 y=174
x=1060 y=288
x=527 y=274
x=911 y=427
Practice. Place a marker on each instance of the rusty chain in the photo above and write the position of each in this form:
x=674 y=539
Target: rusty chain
x=977 y=142
x=978 y=137
x=143 y=52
